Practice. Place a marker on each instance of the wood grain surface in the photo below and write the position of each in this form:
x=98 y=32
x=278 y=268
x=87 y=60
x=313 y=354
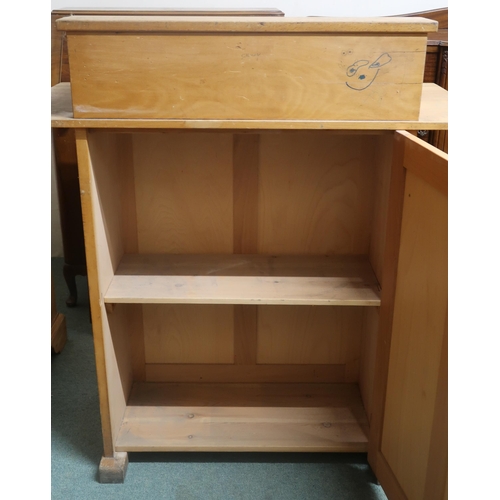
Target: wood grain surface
x=268 y=417
x=241 y=76
x=255 y=25
x=433 y=116
x=420 y=315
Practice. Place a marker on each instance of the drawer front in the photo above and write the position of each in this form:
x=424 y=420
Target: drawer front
x=247 y=76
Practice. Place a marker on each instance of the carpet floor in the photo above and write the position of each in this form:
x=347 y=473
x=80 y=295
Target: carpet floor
x=77 y=445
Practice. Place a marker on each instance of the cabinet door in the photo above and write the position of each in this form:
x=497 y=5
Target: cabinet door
x=408 y=436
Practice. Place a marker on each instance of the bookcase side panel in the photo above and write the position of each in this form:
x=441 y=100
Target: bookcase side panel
x=102 y=210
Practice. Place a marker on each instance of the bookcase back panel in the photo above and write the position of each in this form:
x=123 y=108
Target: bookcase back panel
x=182 y=333
x=184 y=192
x=383 y=161
x=271 y=193
x=276 y=193
x=251 y=339
x=315 y=193
x=309 y=335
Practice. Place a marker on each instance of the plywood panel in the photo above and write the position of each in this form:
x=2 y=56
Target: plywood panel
x=420 y=314
x=120 y=323
x=188 y=333
x=243 y=76
x=246 y=153
x=384 y=151
x=315 y=193
x=184 y=192
x=355 y=267
x=291 y=395
x=127 y=184
x=309 y=335
x=322 y=374
x=104 y=152
x=137 y=347
x=245 y=335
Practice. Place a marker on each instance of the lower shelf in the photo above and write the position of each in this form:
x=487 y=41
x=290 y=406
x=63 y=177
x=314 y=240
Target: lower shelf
x=244 y=417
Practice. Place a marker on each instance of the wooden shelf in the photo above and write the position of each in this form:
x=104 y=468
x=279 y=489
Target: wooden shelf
x=244 y=279
x=244 y=417
x=433 y=116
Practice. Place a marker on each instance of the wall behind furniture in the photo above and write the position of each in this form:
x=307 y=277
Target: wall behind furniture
x=291 y=8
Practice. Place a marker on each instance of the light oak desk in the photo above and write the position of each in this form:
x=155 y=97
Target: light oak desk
x=266 y=245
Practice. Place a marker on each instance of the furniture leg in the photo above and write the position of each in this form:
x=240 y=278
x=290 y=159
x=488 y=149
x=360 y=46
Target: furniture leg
x=112 y=470
x=69 y=273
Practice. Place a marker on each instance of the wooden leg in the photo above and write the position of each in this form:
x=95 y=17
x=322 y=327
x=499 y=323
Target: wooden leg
x=69 y=273
x=113 y=469
x=69 y=277
x=58 y=331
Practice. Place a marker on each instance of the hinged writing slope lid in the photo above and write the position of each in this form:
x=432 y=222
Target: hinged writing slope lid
x=239 y=68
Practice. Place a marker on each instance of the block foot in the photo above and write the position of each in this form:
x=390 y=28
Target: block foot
x=113 y=469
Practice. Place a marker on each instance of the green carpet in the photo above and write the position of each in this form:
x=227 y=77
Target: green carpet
x=77 y=445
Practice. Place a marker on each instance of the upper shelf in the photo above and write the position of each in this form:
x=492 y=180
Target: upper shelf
x=244 y=279
x=433 y=116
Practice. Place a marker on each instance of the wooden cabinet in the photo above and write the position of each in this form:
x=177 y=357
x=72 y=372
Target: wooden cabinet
x=265 y=283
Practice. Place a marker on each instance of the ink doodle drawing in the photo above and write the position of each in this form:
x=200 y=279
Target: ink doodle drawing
x=361 y=75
